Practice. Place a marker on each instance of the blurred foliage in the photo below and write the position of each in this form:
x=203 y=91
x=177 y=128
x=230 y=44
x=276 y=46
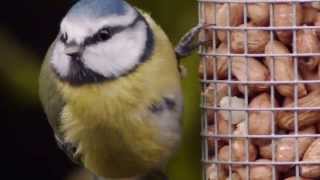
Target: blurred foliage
x=20 y=62
x=18 y=69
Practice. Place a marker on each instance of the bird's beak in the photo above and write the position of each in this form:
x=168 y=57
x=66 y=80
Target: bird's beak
x=72 y=50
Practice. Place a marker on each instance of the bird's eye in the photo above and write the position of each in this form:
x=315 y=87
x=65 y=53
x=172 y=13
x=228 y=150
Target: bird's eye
x=104 y=34
x=64 y=37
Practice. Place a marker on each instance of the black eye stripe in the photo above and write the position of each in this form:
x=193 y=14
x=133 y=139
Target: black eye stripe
x=112 y=30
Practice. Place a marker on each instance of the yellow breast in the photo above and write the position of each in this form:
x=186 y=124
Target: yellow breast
x=113 y=146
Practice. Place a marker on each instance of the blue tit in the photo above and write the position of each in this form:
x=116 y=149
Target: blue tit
x=111 y=90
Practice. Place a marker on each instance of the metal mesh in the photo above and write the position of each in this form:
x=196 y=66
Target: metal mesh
x=260 y=98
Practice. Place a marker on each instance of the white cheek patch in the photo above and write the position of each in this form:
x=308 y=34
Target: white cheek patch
x=119 y=54
x=60 y=61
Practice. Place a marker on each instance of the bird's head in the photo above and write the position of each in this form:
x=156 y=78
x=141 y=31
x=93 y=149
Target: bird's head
x=100 y=40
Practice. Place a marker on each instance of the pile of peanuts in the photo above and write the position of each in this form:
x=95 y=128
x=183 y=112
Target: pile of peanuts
x=261 y=95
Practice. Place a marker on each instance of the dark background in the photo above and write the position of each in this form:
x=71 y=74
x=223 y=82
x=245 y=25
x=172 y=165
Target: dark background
x=27 y=27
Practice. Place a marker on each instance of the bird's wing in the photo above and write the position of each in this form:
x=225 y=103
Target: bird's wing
x=53 y=104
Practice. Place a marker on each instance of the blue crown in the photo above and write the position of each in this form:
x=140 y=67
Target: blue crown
x=98 y=8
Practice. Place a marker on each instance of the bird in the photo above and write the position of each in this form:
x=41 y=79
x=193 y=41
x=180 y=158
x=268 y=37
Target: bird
x=110 y=87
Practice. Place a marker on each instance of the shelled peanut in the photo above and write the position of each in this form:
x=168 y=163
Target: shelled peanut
x=257 y=172
x=285 y=147
x=256 y=40
x=284 y=16
x=263 y=89
x=213 y=95
x=215 y=66
x=229 y=15
x=215 y=172
x=234 y=176
x=259 y=13
x=260 y=122
x=238 y=152
x=250 y=69
x=312 y=154
x=294 y=178
x=307 y=42
x=305 y=118
x=309 y=15
x=283 y=67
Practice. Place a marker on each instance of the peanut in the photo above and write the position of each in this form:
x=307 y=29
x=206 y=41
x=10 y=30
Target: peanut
x=256 y=40
x=265 y=151
x=234 y=176
x=234 y=116
x=213 y=99
x=237 y=152
x=235 y=12
x=287 y=101
x=312 y=154
x=317 y=23
x=259 y=13
x=261 y=172
x=283 y=16
x=316 y=5
x=285 y=119
x=211 y=63
x=256 y=72
x=209 y=13
x=213 y=171
x=294 y=178
x=260 y=122
x=257 y=172
x=283 y=69
x=285 y=150
x=309 y=15
x=211 y=140
x=310 y=75
x=308 y=42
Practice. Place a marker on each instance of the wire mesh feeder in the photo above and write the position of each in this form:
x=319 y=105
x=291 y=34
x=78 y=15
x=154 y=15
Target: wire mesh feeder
x=261 y=89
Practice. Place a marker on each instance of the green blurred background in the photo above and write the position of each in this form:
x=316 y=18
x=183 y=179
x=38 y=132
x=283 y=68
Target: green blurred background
x=28 y=150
